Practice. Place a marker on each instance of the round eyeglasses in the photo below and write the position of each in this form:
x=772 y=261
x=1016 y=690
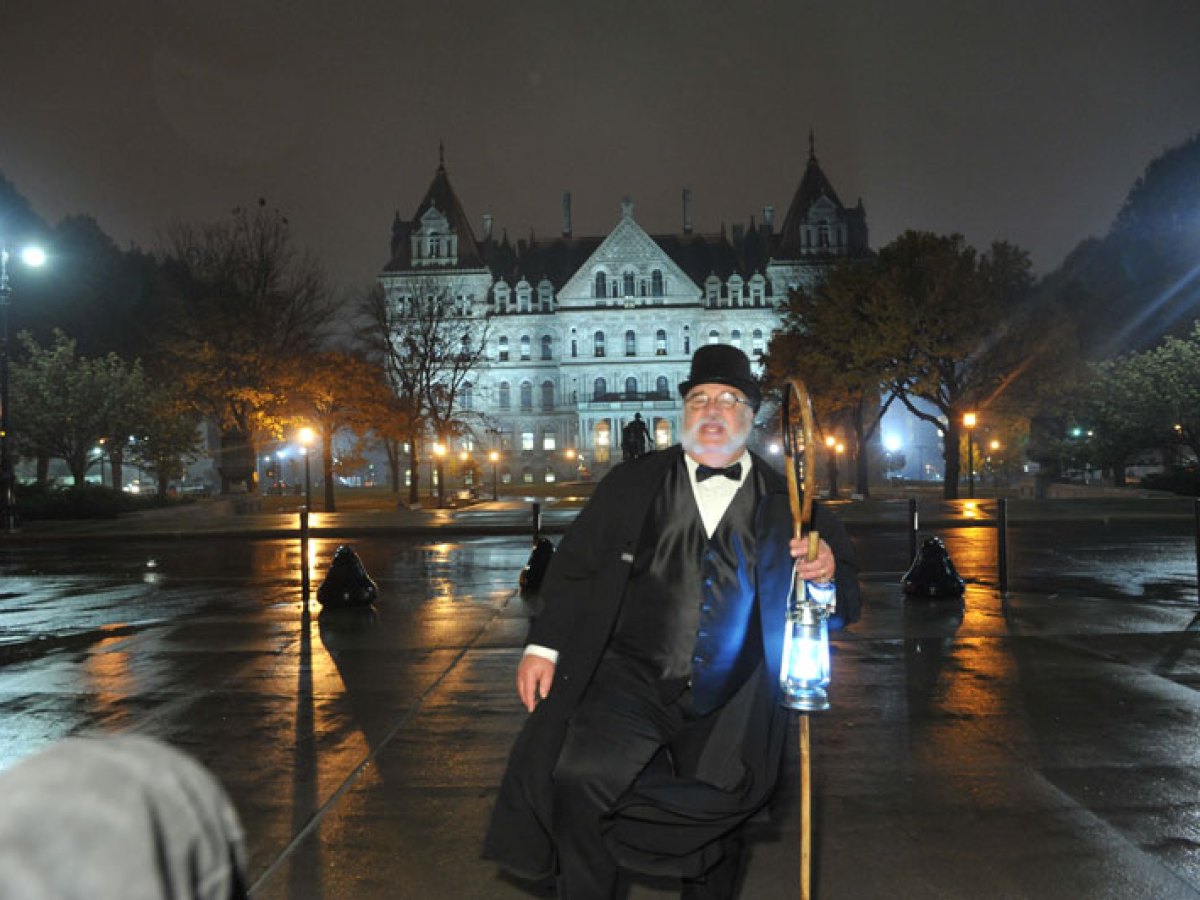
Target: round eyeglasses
x=725 y=400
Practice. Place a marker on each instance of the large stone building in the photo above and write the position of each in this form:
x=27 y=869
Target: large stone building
x=584 y=332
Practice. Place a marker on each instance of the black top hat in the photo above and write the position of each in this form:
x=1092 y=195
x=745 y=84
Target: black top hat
x=722 y=364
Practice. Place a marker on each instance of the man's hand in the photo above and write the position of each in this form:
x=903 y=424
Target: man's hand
x=534 y=675
x=820 y=570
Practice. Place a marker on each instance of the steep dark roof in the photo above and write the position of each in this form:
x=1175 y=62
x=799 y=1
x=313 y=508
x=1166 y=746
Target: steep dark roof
x=440 y=196
x=813 y=186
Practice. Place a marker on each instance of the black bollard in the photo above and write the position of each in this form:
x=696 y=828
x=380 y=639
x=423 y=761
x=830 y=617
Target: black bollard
x=347 y=582
x=304 y=553
x=1002 y=544
x=912 y=527
x=932 y=574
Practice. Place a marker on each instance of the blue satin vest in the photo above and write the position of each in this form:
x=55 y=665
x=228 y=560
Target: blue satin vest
x=689 y=607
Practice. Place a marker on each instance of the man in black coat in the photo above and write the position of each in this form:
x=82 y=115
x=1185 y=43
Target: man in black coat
x=652 y=674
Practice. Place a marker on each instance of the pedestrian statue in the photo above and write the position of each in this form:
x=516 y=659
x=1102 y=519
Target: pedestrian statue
x=635 y=439
x=651 y=674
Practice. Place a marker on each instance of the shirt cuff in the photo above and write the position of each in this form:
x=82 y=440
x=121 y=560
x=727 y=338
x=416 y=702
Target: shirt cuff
x=543 y=652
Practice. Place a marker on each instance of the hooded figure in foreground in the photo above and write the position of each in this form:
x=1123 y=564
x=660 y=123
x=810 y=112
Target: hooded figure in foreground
x=652 y=675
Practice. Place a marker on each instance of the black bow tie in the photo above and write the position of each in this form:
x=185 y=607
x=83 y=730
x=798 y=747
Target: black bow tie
x=705 y=472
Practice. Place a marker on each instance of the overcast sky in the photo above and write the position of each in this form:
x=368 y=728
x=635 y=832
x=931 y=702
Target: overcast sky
x=1026 y=121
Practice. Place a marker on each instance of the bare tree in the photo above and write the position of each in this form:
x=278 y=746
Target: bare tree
x=244 y=303
x=429 y=347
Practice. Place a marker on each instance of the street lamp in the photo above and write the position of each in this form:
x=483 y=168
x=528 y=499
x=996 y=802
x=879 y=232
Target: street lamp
x=307 y=435
x=31 y=256
x=438 y=452
x=495 y=458
x=969 y=421
x=832 y=445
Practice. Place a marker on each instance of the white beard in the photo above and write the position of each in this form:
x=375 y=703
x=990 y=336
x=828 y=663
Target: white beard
x=735 y=438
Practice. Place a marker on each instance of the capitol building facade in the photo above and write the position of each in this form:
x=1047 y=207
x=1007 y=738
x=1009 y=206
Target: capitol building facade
x=582 y=333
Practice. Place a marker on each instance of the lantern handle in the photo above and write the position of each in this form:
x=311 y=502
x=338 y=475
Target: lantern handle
x=800 y=449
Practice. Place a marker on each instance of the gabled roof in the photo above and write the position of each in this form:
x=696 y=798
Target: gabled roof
x=439 y=196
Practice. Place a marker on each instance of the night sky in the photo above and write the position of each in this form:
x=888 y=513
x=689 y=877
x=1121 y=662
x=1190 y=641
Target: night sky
x=1022 y=121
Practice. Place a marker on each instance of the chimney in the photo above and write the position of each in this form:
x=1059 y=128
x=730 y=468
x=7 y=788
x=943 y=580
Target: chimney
x=769 y=219
x=627 y=207
x=566 y=214
x=487 y=227
x=687 y=210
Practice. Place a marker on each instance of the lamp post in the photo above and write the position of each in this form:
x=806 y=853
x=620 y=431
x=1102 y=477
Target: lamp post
x=495 y=458
x=32 y=256
x=834 y=448
x=439 y=452
x=969 y=421
x=306 y=438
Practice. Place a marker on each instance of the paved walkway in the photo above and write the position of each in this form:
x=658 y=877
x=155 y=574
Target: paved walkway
x=1039 y=745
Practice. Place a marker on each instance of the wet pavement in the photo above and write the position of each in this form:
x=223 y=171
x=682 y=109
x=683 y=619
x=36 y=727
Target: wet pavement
x=1041 y=744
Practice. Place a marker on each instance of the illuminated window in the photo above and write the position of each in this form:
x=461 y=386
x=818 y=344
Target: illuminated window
x=660 y=343
x=598 y=343
x=526 y=440
x=502 y=349
x=524 y=346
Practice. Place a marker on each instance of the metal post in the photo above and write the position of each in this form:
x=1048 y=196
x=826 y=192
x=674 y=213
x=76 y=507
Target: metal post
x=1002 y=543
x=971 y=462
x=537 y=522
x=307 y=488
x=8 y=493
x=304 y=554
x=912 y=528
x=1198 y=544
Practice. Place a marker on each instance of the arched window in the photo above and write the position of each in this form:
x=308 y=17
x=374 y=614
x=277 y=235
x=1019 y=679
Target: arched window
x=547 y=395
x=631 y=388
x=502 y=348
x=630 y=344
x=656 y=283
x=524 y=346
x=757 y=342
x=466 y=395
x=526 y=395
x=660 y=342
x=598 y=343
x=735 y=338
x=687 y=340
x=823 y=234
x=662 y=387
x=600 y=287
x=599 y=389
x=602 y=441
x=504 y=395
x=547 y=347
x=714 y=337
x=627 y=283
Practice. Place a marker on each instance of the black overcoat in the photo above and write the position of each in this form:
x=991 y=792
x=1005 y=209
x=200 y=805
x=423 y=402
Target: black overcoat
x=657 y=828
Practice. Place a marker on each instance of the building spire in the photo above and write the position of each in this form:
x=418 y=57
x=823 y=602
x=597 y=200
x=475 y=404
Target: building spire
x=442 y=156
x=812 y=146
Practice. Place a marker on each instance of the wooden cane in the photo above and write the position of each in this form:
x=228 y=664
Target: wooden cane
x=800 y=448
